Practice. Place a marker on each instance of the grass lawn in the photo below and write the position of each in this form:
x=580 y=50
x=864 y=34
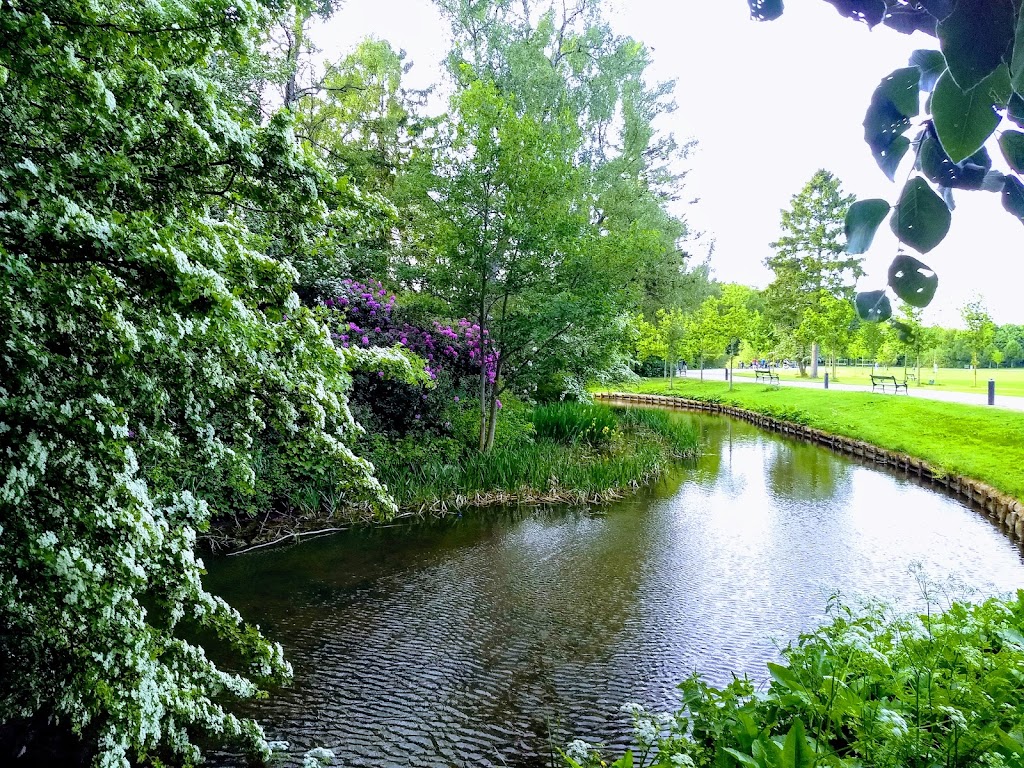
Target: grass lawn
x=1009 y=381
x=974 y=441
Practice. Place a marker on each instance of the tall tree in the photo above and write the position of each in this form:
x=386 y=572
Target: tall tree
x=830 y=320
x=980 y=331
x=810 y=259
x=365 y=126
x=545 y=199
x=706 y=336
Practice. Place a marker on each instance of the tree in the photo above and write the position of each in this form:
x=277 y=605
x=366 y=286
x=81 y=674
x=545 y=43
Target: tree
x=810 y=259
x=830 y=319
x=912 y=334
x=971 y=84
x=364 y=125
x=736 y=319
x=149 y=341
x=1013 y=352
x=672 y=332
x=544 y=209
x=866 y=341
x=704 y=333
x=980 y=331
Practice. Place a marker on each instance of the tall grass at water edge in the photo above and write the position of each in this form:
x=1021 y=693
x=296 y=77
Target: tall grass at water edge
x=580 y=451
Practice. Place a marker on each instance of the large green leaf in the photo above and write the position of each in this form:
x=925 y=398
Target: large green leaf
x=796 y=752
x=744 y=760
x=903 y=331
x=862 y=221
x=937 y=167
x=1012 y=144
x=765 y=10
x=974 y=38
x=894 y=102
x=873 y=306
x=1017 y=62
x=913 y=280
x=784 y=676
x=889 y=159
x=965 y=120
x=1015 y=109
x=921 y=219
x=931 y=65
x=1013 y=196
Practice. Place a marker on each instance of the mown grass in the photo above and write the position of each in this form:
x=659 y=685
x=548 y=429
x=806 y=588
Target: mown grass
x=580 y=452
x=1009 y=381
x=975 y=441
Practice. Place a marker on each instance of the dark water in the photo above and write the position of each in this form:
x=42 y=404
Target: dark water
x=482 y=640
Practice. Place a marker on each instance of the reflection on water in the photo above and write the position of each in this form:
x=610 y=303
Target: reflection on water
x=481 y=641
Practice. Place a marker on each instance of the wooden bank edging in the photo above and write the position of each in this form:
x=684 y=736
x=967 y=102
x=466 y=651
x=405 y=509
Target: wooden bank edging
x=1002 y=508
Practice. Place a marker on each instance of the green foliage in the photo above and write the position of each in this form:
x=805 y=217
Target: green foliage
x=867 y=688
x=980 y=330
x=921 y=219
x=149 y=343
x=987 y=445
x=545 y=195
x=862 y=221
x=567 y=450
x=810 y=262
x=971 y=84
x=576 y=422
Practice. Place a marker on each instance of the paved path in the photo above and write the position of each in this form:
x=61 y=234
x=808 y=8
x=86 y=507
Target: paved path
x=970 y=398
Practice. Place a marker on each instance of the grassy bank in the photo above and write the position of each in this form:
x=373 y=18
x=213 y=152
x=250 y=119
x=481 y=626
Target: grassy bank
x=577 y=452
x=1009 y=381
x=973 y=441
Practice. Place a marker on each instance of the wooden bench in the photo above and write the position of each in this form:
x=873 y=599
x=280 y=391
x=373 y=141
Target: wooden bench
x=888 y=381
x=767 y=376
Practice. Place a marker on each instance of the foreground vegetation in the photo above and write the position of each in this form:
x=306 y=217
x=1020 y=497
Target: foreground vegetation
x=974 y=441
x=943 y=688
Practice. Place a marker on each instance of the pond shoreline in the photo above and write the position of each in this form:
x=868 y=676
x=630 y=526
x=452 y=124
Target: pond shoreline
x=1002 y=508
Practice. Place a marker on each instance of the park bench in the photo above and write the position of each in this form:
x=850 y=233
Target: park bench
x=888 y=381
x=765 y=375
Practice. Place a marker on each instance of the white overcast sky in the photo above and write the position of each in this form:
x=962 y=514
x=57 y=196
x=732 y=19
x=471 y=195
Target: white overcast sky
x=769 y=103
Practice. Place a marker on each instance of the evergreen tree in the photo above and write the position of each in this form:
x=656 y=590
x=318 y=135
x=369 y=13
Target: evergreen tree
x=810 y=259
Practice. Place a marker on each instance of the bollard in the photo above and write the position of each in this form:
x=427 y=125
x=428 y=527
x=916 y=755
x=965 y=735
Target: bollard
x=826 y=379
x=991 y=391
x=726 y=374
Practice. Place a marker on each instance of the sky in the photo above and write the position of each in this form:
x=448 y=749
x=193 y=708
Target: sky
x=769 y=104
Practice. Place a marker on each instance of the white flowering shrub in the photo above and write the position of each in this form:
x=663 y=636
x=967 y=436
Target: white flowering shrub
x=143 y=333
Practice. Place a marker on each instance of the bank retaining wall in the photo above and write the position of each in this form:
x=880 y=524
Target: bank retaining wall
x=1005 y=510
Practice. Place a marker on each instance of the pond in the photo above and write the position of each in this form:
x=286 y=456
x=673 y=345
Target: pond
x=486 y=640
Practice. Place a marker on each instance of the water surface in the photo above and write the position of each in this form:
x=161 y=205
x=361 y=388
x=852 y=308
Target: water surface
x=483 y=640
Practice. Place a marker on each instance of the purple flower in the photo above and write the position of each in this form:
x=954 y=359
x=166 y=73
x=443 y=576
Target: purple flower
x=366 y=340
x=456 y=398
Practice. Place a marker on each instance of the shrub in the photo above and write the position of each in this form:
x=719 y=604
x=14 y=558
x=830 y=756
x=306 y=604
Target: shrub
x=869 y=688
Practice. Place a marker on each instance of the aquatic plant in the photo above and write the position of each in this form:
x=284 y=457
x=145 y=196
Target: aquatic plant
x=939 y=688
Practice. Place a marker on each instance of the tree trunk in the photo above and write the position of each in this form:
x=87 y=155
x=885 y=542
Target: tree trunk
x=492 y=420
x=814 y=360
